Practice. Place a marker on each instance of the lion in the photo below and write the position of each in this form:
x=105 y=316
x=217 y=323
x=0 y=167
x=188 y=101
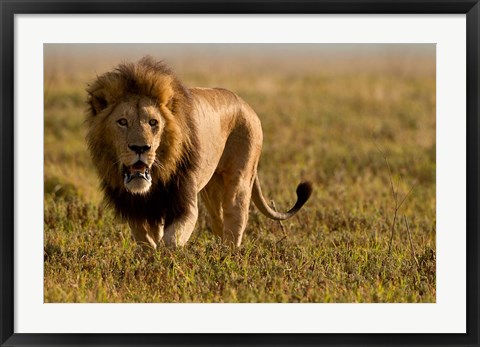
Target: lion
x=158 y=145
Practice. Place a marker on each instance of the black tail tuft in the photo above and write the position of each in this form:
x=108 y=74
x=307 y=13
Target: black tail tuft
x=304 y=191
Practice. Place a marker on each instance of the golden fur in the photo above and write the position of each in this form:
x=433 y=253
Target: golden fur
x=157 y=145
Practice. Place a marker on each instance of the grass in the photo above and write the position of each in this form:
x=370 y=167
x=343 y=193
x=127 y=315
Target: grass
x=331 y=122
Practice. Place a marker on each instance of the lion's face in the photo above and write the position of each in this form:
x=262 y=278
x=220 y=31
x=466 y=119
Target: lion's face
x=138 y=127
x=135 y=127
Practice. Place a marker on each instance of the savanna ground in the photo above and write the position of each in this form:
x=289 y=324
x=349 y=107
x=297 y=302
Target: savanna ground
x=329 y=115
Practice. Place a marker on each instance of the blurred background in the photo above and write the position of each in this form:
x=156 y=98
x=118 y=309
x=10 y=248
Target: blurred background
x=358 y=120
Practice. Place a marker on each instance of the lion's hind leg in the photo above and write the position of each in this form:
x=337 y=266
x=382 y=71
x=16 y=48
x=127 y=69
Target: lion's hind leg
x=212 y=197
x=236 y=203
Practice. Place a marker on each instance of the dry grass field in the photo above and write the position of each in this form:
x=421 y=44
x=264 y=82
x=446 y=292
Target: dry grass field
x=359 y=122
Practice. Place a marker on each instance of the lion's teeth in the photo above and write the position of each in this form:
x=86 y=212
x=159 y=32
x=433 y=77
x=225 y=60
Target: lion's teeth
x=129 y=175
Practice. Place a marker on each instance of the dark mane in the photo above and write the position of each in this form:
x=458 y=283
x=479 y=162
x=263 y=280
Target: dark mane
x=164 y=202
x=171 y=193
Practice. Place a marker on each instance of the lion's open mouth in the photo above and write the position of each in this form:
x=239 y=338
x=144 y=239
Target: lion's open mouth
x=137 y=170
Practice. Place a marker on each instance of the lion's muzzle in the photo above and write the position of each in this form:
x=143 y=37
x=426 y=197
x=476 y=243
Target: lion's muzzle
x=137 y=177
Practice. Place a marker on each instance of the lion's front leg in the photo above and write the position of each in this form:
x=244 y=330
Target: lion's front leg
x=178 y=232
x=146 y=234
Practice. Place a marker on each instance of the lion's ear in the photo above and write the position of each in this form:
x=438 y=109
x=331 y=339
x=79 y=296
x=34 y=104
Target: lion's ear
x=169 y=104
x=97 y=102
x=165 y=91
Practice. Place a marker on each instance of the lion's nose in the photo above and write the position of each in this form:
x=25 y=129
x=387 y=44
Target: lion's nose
x=139 y=149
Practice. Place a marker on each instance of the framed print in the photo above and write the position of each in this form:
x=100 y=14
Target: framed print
x=246 y=173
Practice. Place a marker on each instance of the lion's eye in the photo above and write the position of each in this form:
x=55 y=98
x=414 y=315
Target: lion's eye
x=123 y=122
x=153 y=122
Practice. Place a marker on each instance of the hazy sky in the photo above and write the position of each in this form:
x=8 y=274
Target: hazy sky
x=240 y=49
x=98 y=58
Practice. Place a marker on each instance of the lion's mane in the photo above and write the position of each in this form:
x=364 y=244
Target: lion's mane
x=171 y=191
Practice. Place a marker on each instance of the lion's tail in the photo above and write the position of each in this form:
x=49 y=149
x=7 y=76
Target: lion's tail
x=304 y=190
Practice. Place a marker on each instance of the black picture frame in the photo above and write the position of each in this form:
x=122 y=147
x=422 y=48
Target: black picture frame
x=9 y=9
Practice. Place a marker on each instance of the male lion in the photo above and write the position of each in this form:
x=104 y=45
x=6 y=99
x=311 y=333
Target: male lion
x=156 y=144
